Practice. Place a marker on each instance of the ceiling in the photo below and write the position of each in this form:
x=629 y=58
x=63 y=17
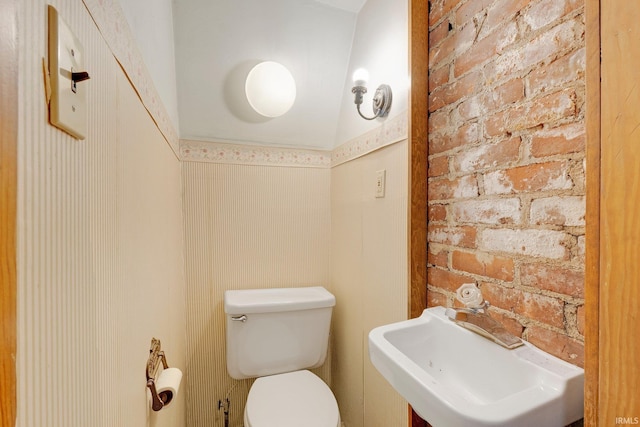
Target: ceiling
x=218 y=42
x=349 y=5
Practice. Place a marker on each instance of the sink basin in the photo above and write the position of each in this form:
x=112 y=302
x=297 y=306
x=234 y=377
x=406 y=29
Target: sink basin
x=454 y=377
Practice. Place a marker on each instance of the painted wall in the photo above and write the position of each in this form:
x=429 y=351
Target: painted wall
x=380 y=45
x=246 y=226
x=100 y=253
x=217 y=44
x=506 y=164
x=151 y=22
x=369 y=276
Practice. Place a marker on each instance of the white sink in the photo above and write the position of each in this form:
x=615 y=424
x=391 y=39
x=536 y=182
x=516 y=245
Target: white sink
x=454 y=377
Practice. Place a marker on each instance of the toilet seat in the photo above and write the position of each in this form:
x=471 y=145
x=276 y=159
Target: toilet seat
x=293 y=399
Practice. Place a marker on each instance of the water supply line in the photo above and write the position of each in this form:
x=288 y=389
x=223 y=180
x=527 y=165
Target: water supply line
x=225 y=407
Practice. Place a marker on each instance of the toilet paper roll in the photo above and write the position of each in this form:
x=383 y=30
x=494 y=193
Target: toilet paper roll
x=168 y=384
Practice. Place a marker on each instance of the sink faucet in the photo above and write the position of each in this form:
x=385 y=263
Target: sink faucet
x=475 y=318
x=478 y=321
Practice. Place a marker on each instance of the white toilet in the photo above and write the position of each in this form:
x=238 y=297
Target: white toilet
x=276 y=335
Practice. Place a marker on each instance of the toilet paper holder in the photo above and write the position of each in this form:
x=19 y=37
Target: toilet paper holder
x=156 y=355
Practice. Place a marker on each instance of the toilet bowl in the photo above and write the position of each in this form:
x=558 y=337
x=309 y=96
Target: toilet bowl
x=293 y=399
x=275 y=335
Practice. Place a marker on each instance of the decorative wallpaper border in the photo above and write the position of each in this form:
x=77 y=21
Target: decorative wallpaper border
x=112 y=24
x=218 y=152
x=391 y=131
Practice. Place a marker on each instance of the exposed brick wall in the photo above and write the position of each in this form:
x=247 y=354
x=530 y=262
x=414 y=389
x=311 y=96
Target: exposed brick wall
x=506 y=163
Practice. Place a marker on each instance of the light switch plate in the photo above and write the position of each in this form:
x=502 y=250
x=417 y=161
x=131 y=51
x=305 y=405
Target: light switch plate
x=68 y=104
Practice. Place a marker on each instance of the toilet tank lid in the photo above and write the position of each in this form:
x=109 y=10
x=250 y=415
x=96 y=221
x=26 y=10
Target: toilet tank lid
x=271 y=300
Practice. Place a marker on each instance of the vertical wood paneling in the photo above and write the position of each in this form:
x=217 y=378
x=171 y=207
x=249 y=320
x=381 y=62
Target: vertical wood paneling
x=619 y=293
x=418 y=162
x=245 y=227
x=418 y=154
x=84 y=277
x=592 y=235
x=8 y=201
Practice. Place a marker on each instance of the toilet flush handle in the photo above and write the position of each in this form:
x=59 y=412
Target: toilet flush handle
x=242 y=318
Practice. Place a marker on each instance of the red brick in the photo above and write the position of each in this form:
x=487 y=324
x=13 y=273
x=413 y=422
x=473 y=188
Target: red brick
x=470 y=108
x=502 y=11
x=455 y=91
x=440 y=8
x=435 y=299
x=470 y=9
x=443 y=189
x=438 y=77
x=439 y=258
x=577 y=172
x=456 y=42
x=508 y=299
x=488 y=156
x=559 y=210
x=570 y=68
x=498 y=124
x=537 y=307
x=549 y=244
x=485 y=49
x=445 y=279
x=558 y=279
x=438 y=121
x=503 y=95
x=465 y=135
x=535 y=177
x=546 y=12
x=438 y=34
x=488 y=211
x=560 y=140
x=560 y=345
x=546 y=109
x=462 y=236
x=544 y=309
x=484 y=264
x=580 y=319
x=543 y=48
x=438 y=166
x=437 y=213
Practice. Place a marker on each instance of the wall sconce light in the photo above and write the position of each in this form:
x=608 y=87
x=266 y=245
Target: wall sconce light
x=270 y=89
x=381 y=99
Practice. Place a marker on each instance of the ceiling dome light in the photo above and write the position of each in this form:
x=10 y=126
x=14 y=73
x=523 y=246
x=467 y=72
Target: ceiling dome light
x=270 y=89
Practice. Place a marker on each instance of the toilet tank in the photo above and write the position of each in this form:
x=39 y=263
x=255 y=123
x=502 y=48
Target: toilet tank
x=271 y=331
